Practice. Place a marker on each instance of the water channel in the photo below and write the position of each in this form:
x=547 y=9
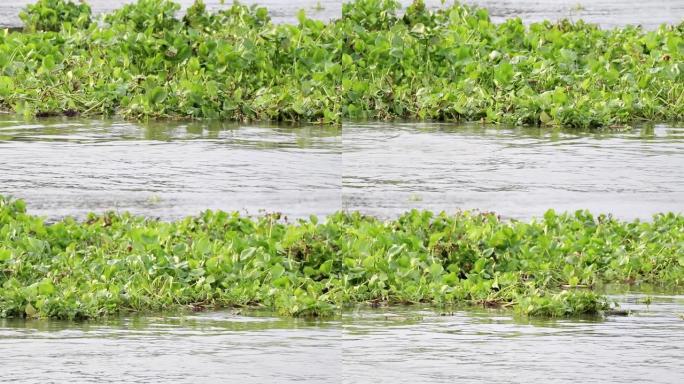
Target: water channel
x=68 y=167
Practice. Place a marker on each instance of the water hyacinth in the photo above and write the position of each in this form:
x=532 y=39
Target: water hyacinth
x=145 y=61
x=374 y=62
x=456 y=64
x=116 y=263
x=53 y=15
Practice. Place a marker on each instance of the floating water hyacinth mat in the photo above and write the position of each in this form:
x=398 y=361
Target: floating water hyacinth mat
x=113 y=264
x=142 y=60
x=455 y=64
x=146 y=61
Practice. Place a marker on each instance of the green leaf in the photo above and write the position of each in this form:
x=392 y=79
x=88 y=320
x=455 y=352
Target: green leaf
x=347 y=60
x=435 y=238
x=326 y=267
x=6 y=86
x=394 y=250
x=436 y=269
x=30 y=310
x=156 y=96
x=418 y=29
x=247 y=253
x=49 y=62
x=281 y=282
x=45 y=287
x=503 y=73
x=277 y=271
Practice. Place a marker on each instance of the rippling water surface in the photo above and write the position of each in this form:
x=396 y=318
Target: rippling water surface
x=208 y=348
x=607 y=13
x=387 y=345
x=69 y=167
x=281 y=11
x=409 y=346
x=517 y=172
x=166 y=170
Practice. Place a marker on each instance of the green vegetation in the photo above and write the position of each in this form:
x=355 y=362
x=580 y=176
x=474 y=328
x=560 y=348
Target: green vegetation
x=53 y=15
x=113 y=263
x=455 y=64
x=144 y=60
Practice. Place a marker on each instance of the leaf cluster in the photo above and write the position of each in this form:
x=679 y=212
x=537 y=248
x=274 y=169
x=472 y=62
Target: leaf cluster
x=453 y=63
x=143 y=61
x=116 y=263
x=52 y=15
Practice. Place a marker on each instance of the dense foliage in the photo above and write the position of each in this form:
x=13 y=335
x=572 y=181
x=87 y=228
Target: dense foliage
x=53 y=15
x=144 y=60
x=455 y=64
x=114 y=263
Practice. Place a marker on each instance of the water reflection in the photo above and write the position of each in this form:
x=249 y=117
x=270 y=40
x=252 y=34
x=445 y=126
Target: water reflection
x=281 y=11
x=90 y=130
x=494 y=346
x=70 y=167
x=395 y=345
x=216 y=347
x=517 y=172
x=606 y=13
x=169 y=170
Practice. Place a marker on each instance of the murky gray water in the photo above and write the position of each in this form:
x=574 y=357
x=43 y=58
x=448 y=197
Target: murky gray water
x=281 y=11
x=208 y=348
x=607 y=13
x=167 y=170
x=516 y=172
x=67 y=167
x=390 y=345
x=409 y=346
x=71 y=167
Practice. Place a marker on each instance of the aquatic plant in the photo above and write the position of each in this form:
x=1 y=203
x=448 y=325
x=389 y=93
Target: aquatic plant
x=53 y=15
x=146 y=61
x=116 y=263
x=454 y=63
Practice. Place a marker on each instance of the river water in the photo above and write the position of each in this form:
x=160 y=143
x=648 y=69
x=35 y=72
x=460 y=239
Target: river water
x=409 y=346
x=67 y=167
x=168 y=170
x=281 y=11
x=71 y=167
x=607 y=13
x=386 y=345
x=516 y=172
